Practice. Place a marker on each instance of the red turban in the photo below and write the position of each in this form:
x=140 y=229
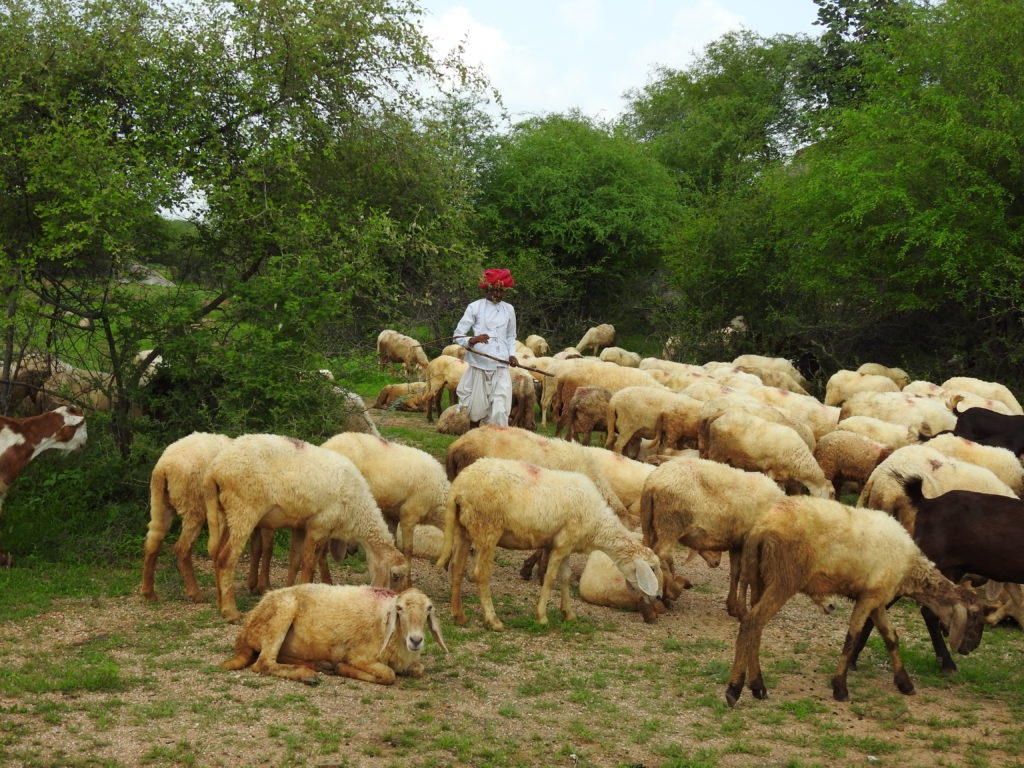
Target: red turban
x=499 y=278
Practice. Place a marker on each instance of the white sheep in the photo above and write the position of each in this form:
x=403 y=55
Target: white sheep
x=773 y=364
x=273 y=481
x=455 y=350
x=366 y=633
x=706 y=506
x=820 y=547
x=885 y=432
x=620 y=356
x=594 y=373
x=625 y=476
x=516 y=505
x=587 y=412
x=774 y=378
x=408 y=484
x=176 y=486
x=538 y=345
x=939 y=473
x=453 y=421
x=987 y=389
x=443 y=373
x=844 y=383
x=395 y=347
x=898 y=375
x=924 y=415
x=820 y=418
x=746 y=441
x=597 y=338
x=738 y=401
x=1003 y=462
x=649 y=412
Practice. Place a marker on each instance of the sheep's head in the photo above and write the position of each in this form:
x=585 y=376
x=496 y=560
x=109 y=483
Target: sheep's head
x=399 y=575
x=643 y=574
x=409 y=614
x=967 y=622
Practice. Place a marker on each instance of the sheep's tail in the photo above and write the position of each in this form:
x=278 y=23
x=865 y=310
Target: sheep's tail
x=913 y=487
x=451 y=513
x=650 y=535
x=610 y=424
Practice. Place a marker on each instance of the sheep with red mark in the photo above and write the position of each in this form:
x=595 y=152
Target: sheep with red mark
x=272 y=481
x=991 y=390
x=633 y=413
x=1001 y=461
x=885 y=432
x=366 y=633
x=924 y=415
x=517 y=505
x=849 y=458
x=842 y=384
x=820 y=547
x=820 y=418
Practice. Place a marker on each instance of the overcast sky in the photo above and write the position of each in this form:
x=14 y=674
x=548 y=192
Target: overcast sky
x=556 y=55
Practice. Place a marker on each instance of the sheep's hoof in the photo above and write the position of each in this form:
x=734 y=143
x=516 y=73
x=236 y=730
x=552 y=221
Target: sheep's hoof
x=839 y=690
x=732 y=694
x=497 y=626
x=904 y=684
x=759 y=691
x=311 y=680
x=649 y=613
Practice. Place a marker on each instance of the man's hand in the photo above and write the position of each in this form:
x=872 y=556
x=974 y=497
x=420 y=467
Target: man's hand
x=480 y=338
x=512 y=361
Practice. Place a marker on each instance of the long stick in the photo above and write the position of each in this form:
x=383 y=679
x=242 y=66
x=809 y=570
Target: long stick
x=506 y=362
x=443 y=338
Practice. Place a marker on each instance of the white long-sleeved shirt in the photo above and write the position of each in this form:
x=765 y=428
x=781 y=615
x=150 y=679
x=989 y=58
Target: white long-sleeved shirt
x=496 y=320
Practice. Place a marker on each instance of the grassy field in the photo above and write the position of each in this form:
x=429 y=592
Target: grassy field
x=91 y=675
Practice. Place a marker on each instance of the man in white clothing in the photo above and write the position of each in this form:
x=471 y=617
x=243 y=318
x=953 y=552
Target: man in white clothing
x=488 y=326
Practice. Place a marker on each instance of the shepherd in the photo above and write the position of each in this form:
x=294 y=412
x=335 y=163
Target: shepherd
x=488 y=326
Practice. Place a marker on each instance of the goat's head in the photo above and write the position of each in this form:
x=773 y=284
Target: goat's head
x=410 y=614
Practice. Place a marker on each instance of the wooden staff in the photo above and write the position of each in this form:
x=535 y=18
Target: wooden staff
x=506 y=362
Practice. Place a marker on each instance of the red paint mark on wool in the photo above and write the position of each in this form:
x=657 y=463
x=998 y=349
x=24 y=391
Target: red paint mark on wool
x=381 y=593
x=533 y=470
x=296 y=443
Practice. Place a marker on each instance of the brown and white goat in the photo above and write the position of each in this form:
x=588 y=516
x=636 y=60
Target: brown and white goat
x=21 y=440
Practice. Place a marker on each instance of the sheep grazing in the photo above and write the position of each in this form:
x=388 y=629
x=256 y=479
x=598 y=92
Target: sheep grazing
x=524 y=398
x=820 y=418
x=634 y=412
x=453 y=421
x=885 y=432
x=409 y=485
x=516 y=505
x=587 y=412
x=924 y=415
x=597 y=338
x=821 y=547
x=987 y=389
x=746 y=441
x=620 y=356
x=898 y=375
x=538 y=345
x=773 y=364
x=594 y=373
x=366 y=633
x=176 y=486
x=848 y=457
x=273 y=481
x=843 y=384
x=706 y=506
x=395 y=347
x=442 y=373
x=1003 y=463
x=738 y=401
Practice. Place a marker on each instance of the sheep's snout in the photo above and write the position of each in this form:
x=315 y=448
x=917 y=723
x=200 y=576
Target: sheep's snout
x=414 y=642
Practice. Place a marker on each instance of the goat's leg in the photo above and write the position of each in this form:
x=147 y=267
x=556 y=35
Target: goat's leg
x=942 y=654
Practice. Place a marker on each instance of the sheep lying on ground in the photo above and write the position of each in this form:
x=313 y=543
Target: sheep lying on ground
x=538 y=345
x=453 y=421
x=395 y=347
x=273 y=481
x=847 y=457
x=819 y=547
x=516 y=505
x=706 y=506
x=408 y=484
x=940 y=472
x=176 y=486
x=746 y=441
x=587 y=412
x=898 y=375
x=843 y=384
x=366 y=633
x=407 y=395
x=620 y=356
x=601 y=583
x=987 y=389
x=597 y=338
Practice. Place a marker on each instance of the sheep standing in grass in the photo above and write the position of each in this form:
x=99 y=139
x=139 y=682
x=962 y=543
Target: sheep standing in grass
x=273 y=481
x=587 y=412
x=847 y=457
x=395 y=347
x=176 y=486
x=538 y=345
x=597 y=338
x=409 y=485
x=821 y=547
x=515 y=505
x=366 y=633
x=706 y=506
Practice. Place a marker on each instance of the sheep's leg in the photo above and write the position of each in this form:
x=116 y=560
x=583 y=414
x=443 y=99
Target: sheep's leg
x=159 y=524
x=261 y=550
x=311 y=549
x=227 y=561
x=191 y=525
x=732 y=600
x=564 y=577
x=747 y=662
x=482 y=577
x=407 y=529
x=273 y=633
x=942 y=655
x=862 y=640
x=556 y=556
x=460 y=551
x=373 y=672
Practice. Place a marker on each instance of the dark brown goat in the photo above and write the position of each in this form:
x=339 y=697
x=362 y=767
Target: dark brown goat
x=964 y=532
x=990 y=428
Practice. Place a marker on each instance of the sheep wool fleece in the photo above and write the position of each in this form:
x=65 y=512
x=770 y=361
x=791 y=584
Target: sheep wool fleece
x=485 y=390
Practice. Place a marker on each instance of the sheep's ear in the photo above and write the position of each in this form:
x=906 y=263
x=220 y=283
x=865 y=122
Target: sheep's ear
x=957 y=626
x=645 y=578
x=390 y=624
x=435 y=628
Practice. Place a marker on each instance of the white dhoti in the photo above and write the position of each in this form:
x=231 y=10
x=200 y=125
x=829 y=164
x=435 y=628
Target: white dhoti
x=486 y=396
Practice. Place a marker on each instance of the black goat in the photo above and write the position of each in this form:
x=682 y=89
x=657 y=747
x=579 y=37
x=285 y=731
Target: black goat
x=963 y=532
x=990 y=428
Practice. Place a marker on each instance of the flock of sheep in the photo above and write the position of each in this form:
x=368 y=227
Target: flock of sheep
x=731 y=457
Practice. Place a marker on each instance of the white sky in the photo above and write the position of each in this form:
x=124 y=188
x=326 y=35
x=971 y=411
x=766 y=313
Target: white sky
x=557 y=55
